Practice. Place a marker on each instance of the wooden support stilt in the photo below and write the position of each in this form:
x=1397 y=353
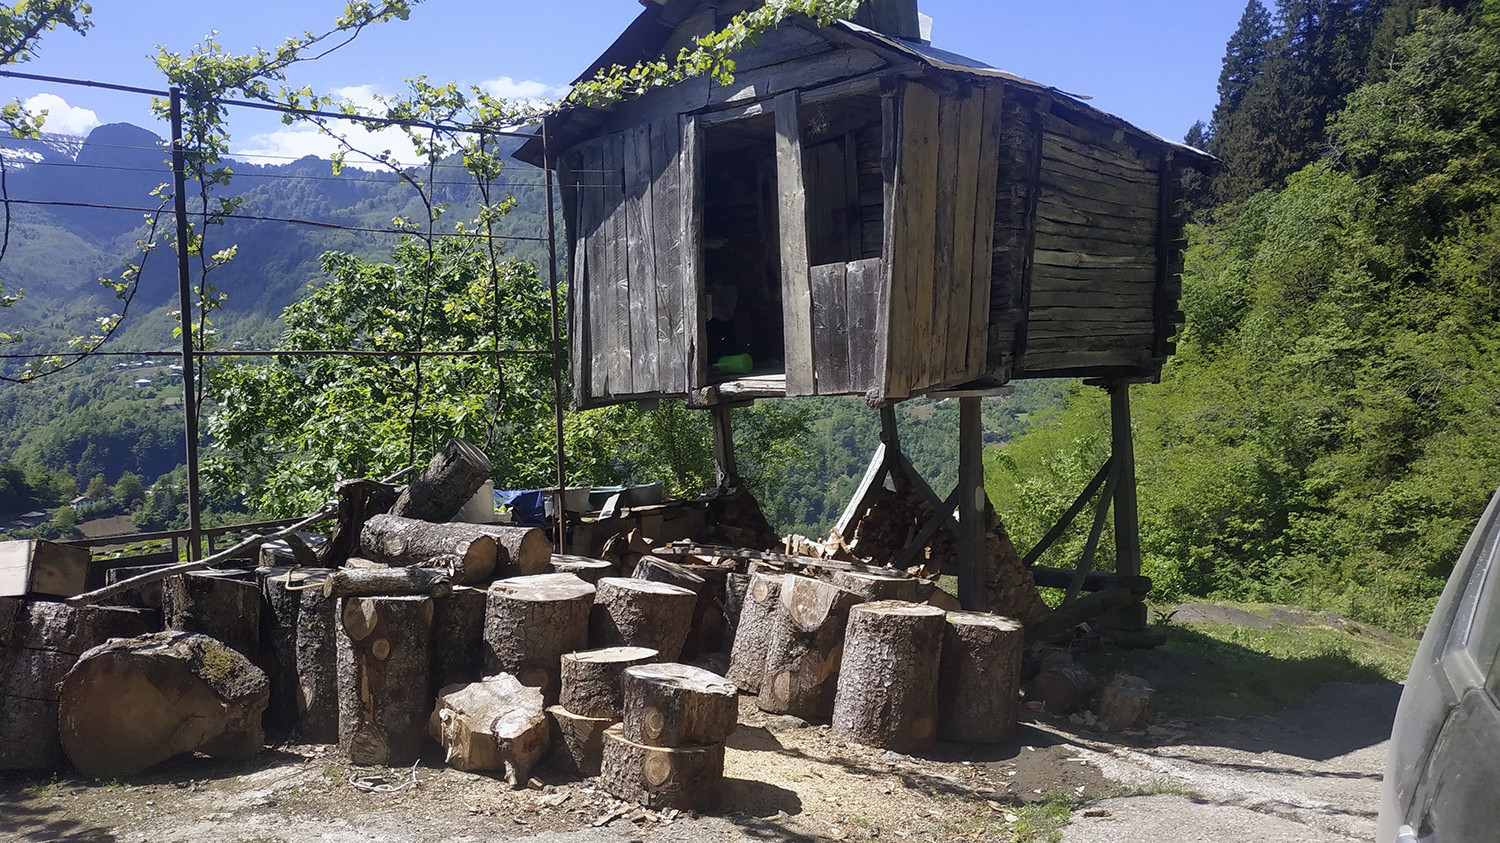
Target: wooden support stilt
x=971 y=505
x=727 y=471
x=1127 y=518
x=1086 y=562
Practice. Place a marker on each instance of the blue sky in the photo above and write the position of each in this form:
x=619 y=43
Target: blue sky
x=1152 y=62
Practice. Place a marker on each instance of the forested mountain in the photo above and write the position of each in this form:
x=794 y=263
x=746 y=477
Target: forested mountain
x=1327 y=433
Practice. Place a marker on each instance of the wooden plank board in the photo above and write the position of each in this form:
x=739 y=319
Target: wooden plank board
x=830 y=329
x=1070 y=259
x=1116 y=174
x=969 y=272
x=885 y=324
x=863 y=297
x=1079 y=241
x=982 y=243
x=916 y=203
x=666 y=203
x=1054 y=218
x=640 y=261
x=594 y=290
x=1044 y=298
x=1089 y=278
x=1102 y=138
x=1070 y=186
x=954 y=257
x=1066 y=148
x=615 y=290
x=796 y=292
x=694 y=325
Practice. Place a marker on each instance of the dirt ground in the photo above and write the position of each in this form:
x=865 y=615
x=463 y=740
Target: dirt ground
x=1310 y=773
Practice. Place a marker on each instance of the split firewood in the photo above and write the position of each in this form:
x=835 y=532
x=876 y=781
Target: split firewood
x=586 y=568
x=579 y=744
x=383 y=678
x=40 y=641
x=591 y=679
x=389 y=582
x=131 y=703
x=642 y=613
x=493 y=724
x=407 y=542
x=452 y=477
x=683 y=777
x=747 y=657
x=888 y=682
x=979 y=678
x=224 y=605
x=530 y=622
x=804 y=648
x=674 y=704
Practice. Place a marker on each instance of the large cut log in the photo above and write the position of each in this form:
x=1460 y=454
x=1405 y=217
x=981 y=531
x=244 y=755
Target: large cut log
x=383 y=678
x=656 y=569
x=747 y=657
x=452 y=477
x=529 y=622
x=224 y=605
x=524 y=551
x=131 y=703
x=585 y=568
x=805 y=647
x=1062 y=687
x=736 y=586
x=642 y=613
x=39 y=642
x=979 y=678
x=317 y=667
x=674 y=704
x=35 y=566
x=578 y=741
x=147 y=596
x=406 y=542
x=686 y=778
x=591 y=679
x=887 y=687
x=458 y=637
x=872 y=585
x=281 y=591
x=494 y=724
x=705 y=581
x=386 y=582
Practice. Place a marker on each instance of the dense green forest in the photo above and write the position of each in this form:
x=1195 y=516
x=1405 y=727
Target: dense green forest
x=1327 y=433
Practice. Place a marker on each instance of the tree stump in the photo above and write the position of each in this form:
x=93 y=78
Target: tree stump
x=220 y=604
x=406 y=542
x=451 y=477
x=386 y=582
x=493 y=724
x=383 y=678
x=872 y=586
x=979 y=678
x=524 y=551
x=530 y=622
x=674 y=704
x=588 y=569
x=282 y=590
x=132 y=703
x=39 y=643
x=578 y=743
x=591 y=679
x=747 y=655
x=458 y=637
x=804 y=648
x=317 y=668
x=642 y=613
x=683 y=777
x=887 y=688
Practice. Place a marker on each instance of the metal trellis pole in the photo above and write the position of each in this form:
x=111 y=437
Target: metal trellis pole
x=557 y=378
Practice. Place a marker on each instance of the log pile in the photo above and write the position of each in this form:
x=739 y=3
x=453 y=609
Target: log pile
x=590 y=701
x=668 y=752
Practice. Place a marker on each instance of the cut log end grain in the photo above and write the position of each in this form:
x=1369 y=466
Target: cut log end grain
x=591 y=679
x=685 y=777
x=132 y=703
x=642 y=613
x=887 y=687
x=805 y=648
x=523 y=551
x=676 y=704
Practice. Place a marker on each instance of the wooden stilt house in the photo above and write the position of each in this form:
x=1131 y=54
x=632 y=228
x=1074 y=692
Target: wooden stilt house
x=858 y=213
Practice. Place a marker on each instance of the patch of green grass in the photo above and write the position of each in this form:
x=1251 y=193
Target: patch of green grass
x=1043 y=822
x=41 y=789
x=1234 y=671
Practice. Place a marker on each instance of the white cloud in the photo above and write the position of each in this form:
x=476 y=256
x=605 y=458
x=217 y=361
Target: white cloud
x=526 y=89
x=62 y=119
x=303 y=140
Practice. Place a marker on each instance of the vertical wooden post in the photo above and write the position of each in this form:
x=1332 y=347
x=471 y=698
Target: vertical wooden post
x=185 y=313
x=971 y=505
x=727 y=470
x=1127 y=519
x=561 y=539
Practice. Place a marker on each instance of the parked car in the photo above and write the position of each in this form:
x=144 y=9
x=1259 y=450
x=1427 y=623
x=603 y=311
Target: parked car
x=1443 y=763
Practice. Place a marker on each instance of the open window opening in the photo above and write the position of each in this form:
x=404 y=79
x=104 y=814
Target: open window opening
x=742 y=250
x=841 y=163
